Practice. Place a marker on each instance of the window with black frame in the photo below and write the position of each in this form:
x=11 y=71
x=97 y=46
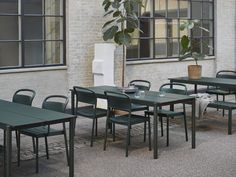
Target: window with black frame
x=32 y=33
x=159 y=22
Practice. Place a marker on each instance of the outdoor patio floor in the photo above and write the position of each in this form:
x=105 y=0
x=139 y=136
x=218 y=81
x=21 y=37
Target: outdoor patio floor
x=214 y=155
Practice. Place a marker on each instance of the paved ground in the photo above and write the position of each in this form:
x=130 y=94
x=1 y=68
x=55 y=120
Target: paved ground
x=214 y=156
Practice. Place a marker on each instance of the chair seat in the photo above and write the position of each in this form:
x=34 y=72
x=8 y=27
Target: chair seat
x=124 y=119
x=41 y=131
x=165 y=113
x=88 y=111
x=219 y=91
x=222 y=105
x=138 y=107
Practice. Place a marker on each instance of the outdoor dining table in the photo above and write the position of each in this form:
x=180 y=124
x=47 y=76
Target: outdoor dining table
x=153 y=99
x=208 y=81
x=14 y=116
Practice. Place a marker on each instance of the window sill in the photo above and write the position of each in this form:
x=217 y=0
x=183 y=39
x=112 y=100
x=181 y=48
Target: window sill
x=36 y=69
x=164 y=61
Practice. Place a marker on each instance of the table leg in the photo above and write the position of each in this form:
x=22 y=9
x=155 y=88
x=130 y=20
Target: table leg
x=72 y=102
x=193 y=125
x=155 y=134
x=7 y=152
x=71 y=155
x=195 y=88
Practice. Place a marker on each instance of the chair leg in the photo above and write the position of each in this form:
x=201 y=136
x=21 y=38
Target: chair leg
x=17 y=143
x=217 y=99
x=167 y=131
x=230 y=122
x=66 y=144
x=18 y=149
x=96 y=127
x=223 y=109
x=33 y=145
x=91 y=142
x=185 y=127
x=37 y=155
x=105 y=139
x=46 y=146
x=161 y=119
x=114 y=132
x=149 y=135
x=145 y=130
x=127 y=142
x=129 y=135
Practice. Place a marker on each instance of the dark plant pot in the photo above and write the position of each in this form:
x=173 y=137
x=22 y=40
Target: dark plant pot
x=194 y=71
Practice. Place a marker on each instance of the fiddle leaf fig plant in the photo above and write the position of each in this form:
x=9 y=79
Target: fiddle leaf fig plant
x=122 y=23
x=187 y=47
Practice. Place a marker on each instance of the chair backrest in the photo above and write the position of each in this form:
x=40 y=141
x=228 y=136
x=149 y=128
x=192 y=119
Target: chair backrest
x=141 y=84
x=174 y=88
x=85 y=95
x=24 y=96
x=118 y=101
x=227 y=74
x=56 y=103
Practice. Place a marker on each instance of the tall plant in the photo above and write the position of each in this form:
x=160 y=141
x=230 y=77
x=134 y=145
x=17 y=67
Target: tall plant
x=122 y=24
x=187 y=47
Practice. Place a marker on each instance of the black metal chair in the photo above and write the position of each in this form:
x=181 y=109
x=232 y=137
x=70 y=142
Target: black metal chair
x=56 y=103
x=176 y=89
x=119 y=101
x=87 y=96
x=26 y=97
x=227 y=74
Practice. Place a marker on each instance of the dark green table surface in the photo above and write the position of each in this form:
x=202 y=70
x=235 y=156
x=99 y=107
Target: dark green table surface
x=211 y=81
x=14 y=116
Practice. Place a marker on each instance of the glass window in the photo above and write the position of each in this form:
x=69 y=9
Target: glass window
x=160 y=20
x=32 y=34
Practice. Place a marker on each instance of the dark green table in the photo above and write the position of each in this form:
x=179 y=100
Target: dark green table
x=152 y=99
x=15 y=116
x=209 y=81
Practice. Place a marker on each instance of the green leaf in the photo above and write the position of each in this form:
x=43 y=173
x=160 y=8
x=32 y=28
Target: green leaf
x=129 y=30
x=123 y=38
x=198 y=56
x=110 y=33
x=204 y=29
x=107 y=6
x=116 y=14
x=109 y=12
x=115 y=4
x=105 y=2
x=185 y=42
x=107 y=23
x=185 y=56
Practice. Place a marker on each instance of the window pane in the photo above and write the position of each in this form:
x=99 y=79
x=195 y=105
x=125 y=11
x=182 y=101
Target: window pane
x=196 y=45
x=196 y=10
x=172 y=28
x=33 y=53
x=209 y=26
x=146 y=25
x=160 y=48
x=207 y=46
x=53 y=28
x=146 y=10
x=53 y=52
x=9 y=6
x=183 y=8
x=33 y=6
x=53 y=7
x=172 y=8
x=160 y=8
x=160 y=28
x=9 y=31
x=207 y=11
x=132 y=50
x=33 y=28
x=173 y=47
x=146 y=48
x=9 y=54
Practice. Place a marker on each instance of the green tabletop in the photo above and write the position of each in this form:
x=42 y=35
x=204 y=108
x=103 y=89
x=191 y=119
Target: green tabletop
x=211 y=81
x=150 y=98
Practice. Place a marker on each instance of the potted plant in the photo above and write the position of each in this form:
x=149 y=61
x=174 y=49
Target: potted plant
x=188 y=51
x=122 y=24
